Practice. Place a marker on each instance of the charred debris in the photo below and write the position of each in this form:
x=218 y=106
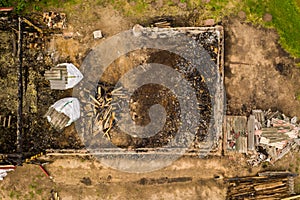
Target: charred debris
x=26 y=96
x=265 y=136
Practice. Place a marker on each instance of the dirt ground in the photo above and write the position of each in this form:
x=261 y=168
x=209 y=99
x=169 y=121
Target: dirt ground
x=258 y=74
x=189 y=178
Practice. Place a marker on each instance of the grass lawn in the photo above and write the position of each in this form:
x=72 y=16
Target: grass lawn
x=286 y=20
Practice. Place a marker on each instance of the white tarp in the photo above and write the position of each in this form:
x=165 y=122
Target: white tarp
x=3 y=173
x=69 y=106
x=74 y=75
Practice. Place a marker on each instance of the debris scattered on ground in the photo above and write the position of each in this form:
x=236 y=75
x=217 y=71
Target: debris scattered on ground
x=163 y=24
x=54 y=195
x=163 y=180
x=275 y=135
x=4 y=169
x=55 y=20
x=86 y=181
x=5 y=121
x=211 y=39
x=209 y=22
x=105 y=117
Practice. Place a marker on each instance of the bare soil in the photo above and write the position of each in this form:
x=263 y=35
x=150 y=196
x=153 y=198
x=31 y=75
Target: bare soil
x=188 y=178
x=258 y=73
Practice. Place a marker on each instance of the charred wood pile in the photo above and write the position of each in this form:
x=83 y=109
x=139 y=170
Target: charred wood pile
x=55 y=20
x=105 y=117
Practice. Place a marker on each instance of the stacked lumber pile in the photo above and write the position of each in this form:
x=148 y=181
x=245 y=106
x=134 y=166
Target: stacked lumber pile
x=269 y=185
x=58 y=119
x=58 y=77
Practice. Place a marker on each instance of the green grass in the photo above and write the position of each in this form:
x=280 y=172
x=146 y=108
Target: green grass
x=21 y=6
x=286 y=20
x=298 y=96
x=15 y=194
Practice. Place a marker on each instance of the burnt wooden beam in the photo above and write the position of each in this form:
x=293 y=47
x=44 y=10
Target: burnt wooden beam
x=20 y=90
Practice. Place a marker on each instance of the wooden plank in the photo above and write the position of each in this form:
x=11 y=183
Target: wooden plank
x=242 y=144
x=259 y=115
x=235 y=128
x=53 y=75
x=292 y=197
x=250 y=129
x=268 y=186
x=9 y=120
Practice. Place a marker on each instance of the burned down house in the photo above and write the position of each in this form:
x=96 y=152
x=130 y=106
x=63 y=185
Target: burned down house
x=39 y=68
x=265 y=135
x=98 y=99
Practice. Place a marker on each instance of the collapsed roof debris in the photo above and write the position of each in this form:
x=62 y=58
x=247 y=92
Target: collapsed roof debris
x=265 y=135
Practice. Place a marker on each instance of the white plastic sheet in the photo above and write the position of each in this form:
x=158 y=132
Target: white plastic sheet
x=3 y=173
x=74 y=75
x=69 y=106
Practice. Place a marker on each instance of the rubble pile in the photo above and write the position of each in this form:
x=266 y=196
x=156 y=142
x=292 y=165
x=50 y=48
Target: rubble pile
x=105 y=117
x=274 y=136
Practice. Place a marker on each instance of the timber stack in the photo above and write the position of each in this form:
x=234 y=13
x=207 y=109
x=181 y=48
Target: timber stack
x=267 y=185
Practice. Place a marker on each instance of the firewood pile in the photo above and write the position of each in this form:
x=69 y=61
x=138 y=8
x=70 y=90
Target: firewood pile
x=267 y=185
